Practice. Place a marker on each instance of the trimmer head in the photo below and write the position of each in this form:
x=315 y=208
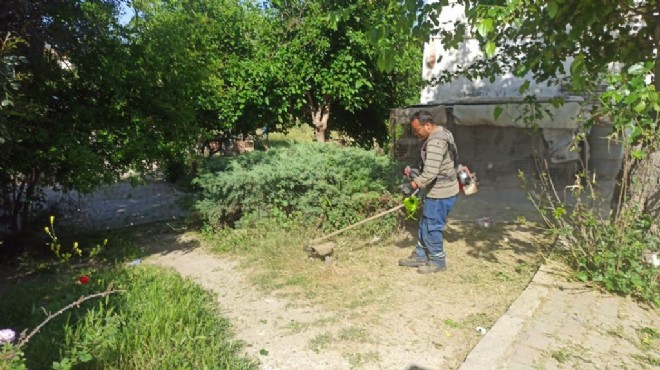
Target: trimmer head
x=320 y=250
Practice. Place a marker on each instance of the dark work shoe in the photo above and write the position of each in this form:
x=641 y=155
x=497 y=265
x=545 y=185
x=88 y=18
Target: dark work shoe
x=412 y=261
x=431 y=268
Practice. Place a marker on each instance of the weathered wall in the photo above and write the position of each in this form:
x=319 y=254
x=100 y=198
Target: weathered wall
x=495 y=153
x=437 y=60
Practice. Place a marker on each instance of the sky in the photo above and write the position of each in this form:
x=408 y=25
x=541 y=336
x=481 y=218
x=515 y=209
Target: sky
x=125 y=13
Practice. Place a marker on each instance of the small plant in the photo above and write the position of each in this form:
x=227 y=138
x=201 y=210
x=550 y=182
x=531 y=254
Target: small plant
x=64 y=255
x=560 y=356
x=608 y=248
x=648 y=337
x=599 y=249
x=452 y=324
x=353 y=333
x=320 y=342
x=357 y=360
x=13 y=358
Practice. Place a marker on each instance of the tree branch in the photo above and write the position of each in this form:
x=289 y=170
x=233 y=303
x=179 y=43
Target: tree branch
x=636 y=10
x=76 y=304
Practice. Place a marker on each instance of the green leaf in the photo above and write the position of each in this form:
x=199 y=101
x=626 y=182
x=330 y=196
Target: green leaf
x=559 y=212
x=523 y=88
x=374 y=35
x=638 y=154
x=489 y=49
x=639 y=108
x=85 y=357
x=385 y=61
x=578 y=64
x=582 y=276
x=498 y=112
x=6 y=102
x=552 y=9
x=485 y=27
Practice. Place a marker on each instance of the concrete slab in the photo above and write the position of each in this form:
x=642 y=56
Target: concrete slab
x=559 y=324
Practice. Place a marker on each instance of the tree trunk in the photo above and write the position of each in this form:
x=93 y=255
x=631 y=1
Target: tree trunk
x=320 y=115
x=19 y=197
x=637 y=181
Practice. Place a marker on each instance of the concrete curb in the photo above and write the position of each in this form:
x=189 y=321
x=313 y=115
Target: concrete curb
x=491 y=352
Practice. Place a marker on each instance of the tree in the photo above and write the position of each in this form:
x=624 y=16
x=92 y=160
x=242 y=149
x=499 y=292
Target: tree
x=8 y=83
x=323 y=62
x=61 y=127
x=96 y=98
x=208 y=78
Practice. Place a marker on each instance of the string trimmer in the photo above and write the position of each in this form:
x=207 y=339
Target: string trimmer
x=411 y=203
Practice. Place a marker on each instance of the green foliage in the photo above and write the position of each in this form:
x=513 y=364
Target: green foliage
x=62 y=254
x=215 y=86
x=161 y=321
x=538 y=37
x=609 y=252
x=64 y=126
x=8 y=79
x=324 y=70
x=633 y=106
x=11 y=358
x=92 y=101
x=325 y=185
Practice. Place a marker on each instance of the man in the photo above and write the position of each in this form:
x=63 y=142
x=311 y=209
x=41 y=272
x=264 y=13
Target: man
x=438 y=178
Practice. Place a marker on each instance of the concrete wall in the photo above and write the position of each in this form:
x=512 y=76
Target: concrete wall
x=437 y=60
x=497 y=152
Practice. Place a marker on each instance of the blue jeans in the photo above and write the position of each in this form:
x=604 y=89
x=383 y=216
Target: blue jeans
x=431 y=225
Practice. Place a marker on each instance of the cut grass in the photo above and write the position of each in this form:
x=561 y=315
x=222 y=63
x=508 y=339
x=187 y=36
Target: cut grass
x=355 y=334
x=357 y=360
x=320 y=342
x=365 y=287
x=363 y=274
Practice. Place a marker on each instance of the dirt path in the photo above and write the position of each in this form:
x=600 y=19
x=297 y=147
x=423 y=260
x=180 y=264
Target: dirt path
x=400 y=320
x=260 y=320
x=279 y=332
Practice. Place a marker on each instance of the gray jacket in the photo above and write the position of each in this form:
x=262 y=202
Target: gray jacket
x=439 y=174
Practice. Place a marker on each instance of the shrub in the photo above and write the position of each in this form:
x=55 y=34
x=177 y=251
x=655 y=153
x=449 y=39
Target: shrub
x=599 y=249
x=323 y=185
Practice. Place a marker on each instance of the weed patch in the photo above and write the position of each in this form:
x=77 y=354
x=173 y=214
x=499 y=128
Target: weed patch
x=320 y=342
x=354 y=333
x=357 y=360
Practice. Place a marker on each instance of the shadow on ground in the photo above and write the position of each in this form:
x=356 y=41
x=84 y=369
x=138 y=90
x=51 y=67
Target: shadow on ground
x=483 y=243
x=158 y=238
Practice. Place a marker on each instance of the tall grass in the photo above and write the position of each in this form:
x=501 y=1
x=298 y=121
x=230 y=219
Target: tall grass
x=161 y=321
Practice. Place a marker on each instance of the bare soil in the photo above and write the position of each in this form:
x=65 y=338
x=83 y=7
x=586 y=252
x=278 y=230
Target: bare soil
x=363 y=311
